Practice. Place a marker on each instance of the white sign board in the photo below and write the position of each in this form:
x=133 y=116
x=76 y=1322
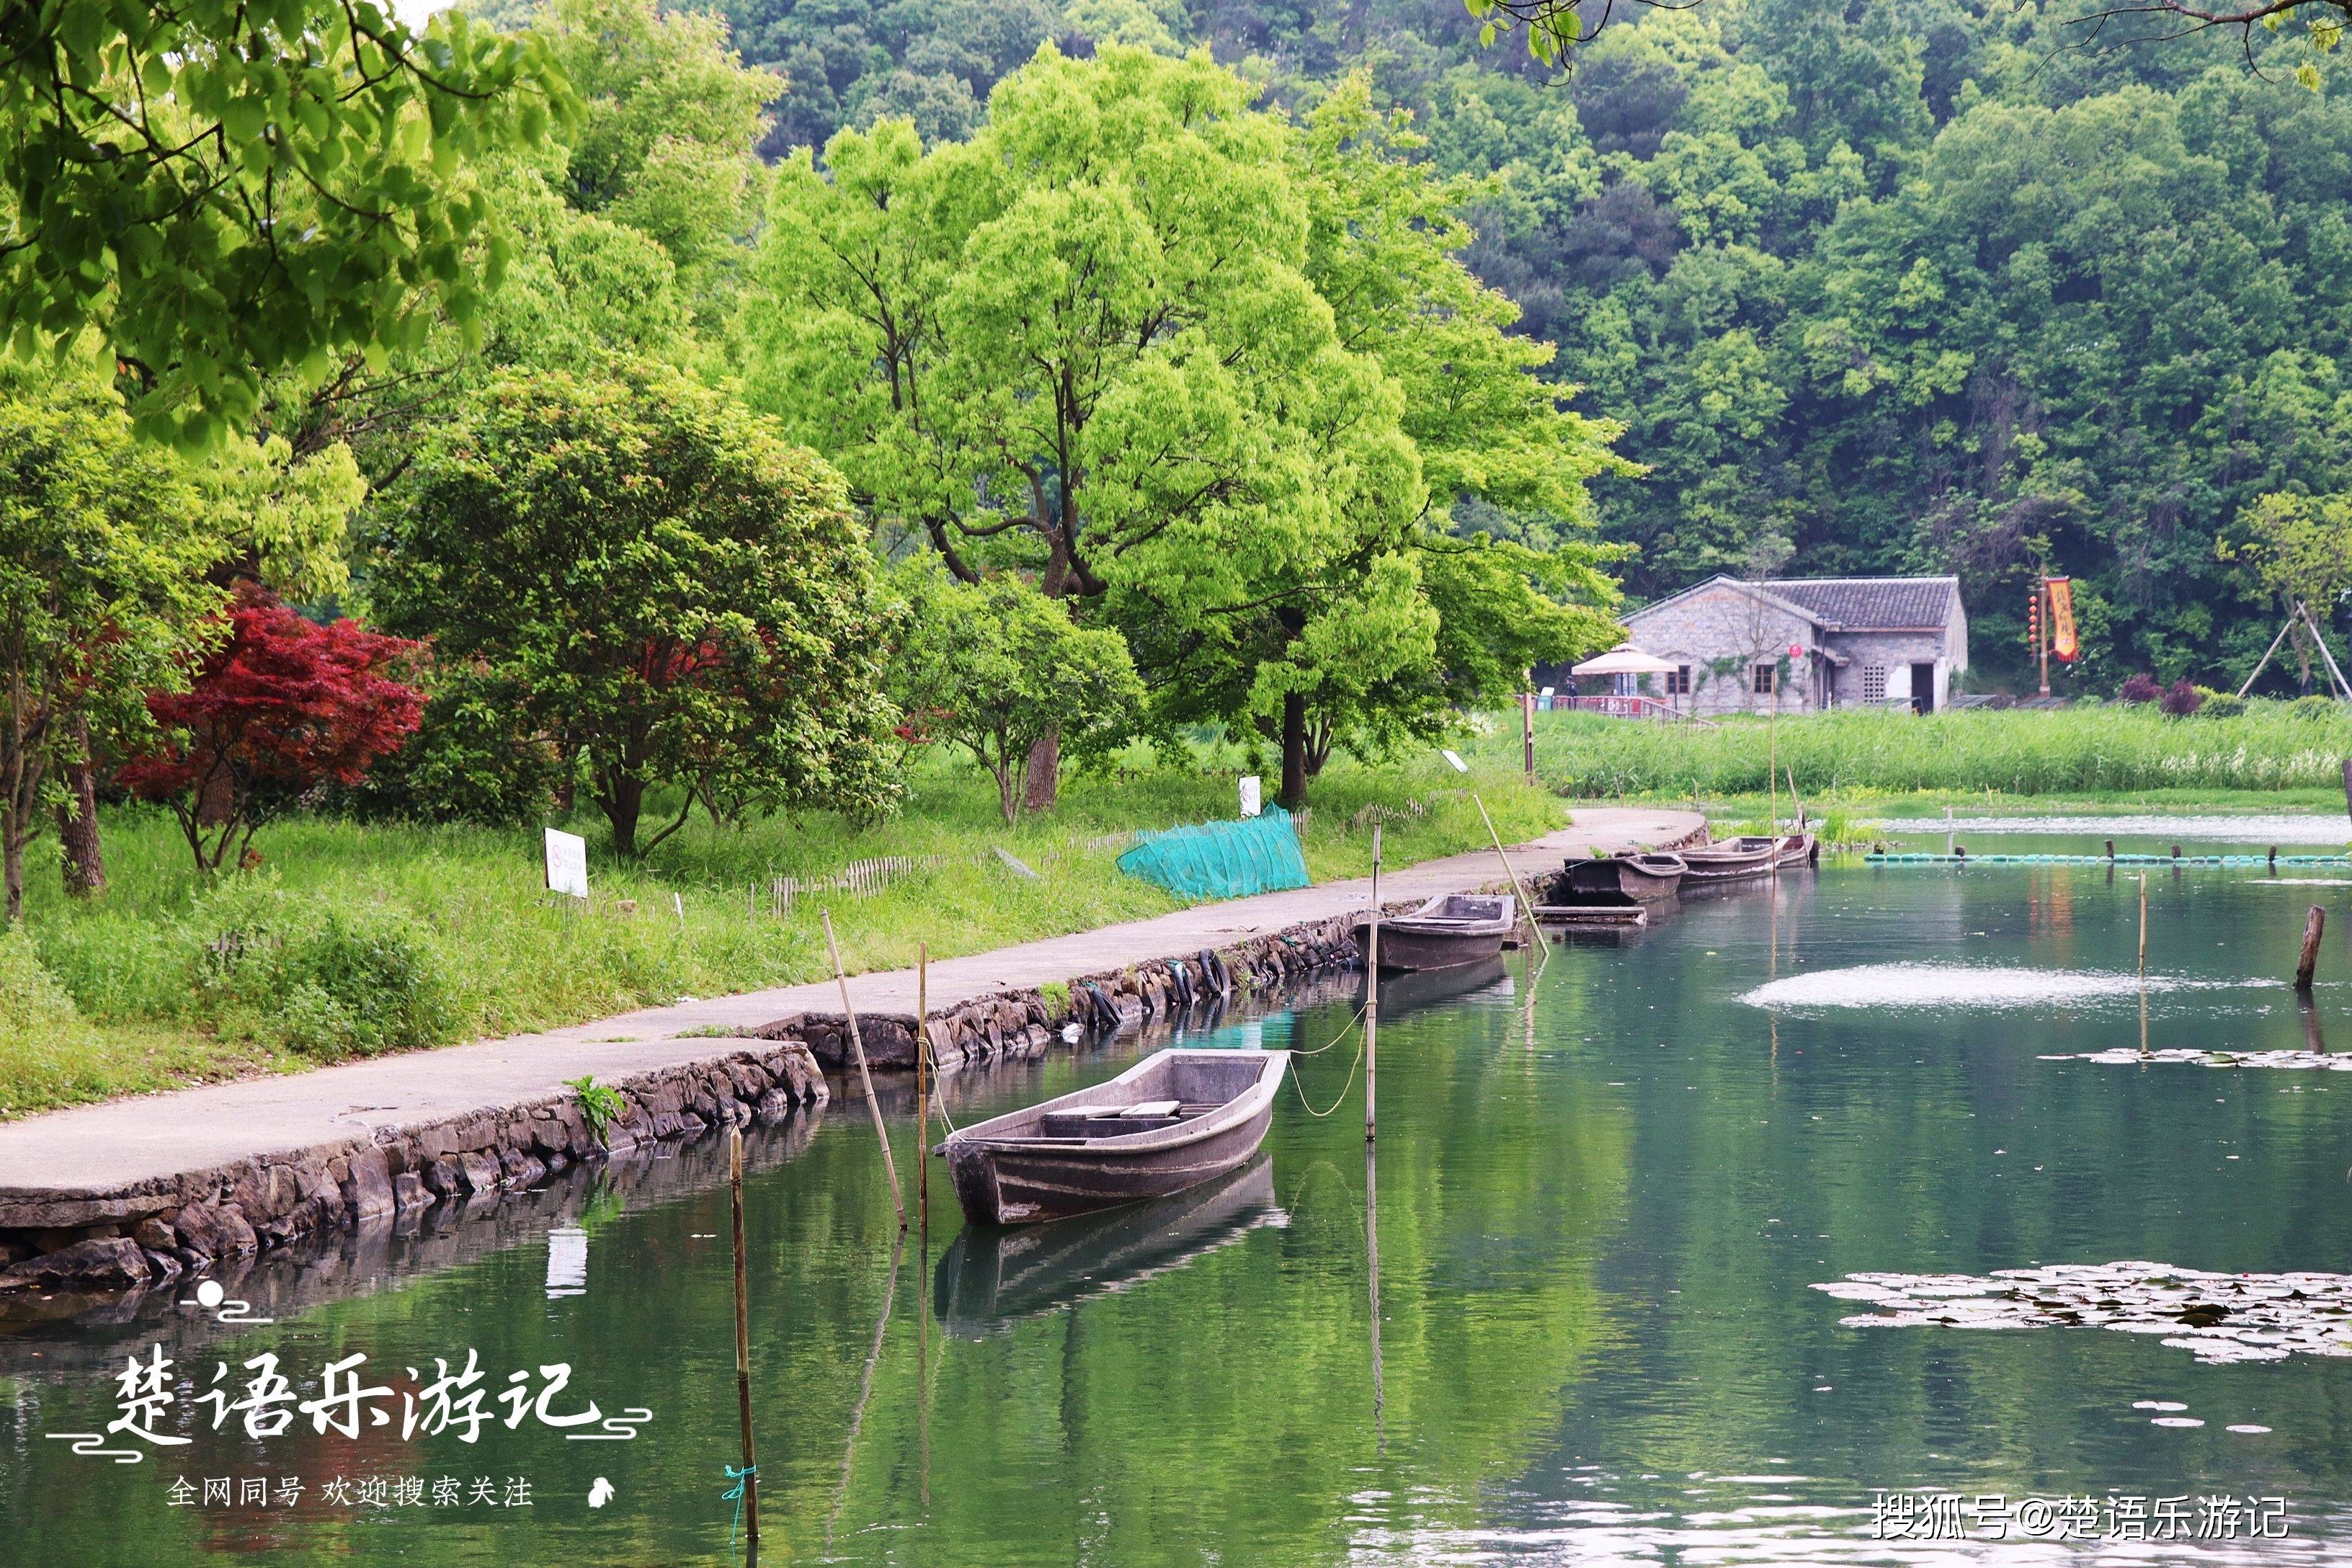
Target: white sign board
x=1251 y=803
x=1455 y=759
x=567 y=863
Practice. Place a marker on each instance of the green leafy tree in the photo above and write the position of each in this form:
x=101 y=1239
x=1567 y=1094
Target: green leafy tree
x=1192 y=367
x=2301 y=548
x=228 y=188
x=671 y=117
x=105 y=547
x=658 y=583
x=997 y=668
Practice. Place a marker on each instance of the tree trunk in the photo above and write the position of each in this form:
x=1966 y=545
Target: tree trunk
x=1008 y=794
x=1044 y=772
x=83 y=862
x=12 y=870
x=1294 y=750
x=624 y=799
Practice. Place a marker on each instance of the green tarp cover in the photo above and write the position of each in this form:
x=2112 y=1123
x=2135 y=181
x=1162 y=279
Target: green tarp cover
x=1222 y=859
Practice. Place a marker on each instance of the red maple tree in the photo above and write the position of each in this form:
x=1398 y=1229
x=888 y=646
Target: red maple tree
x=280 y=707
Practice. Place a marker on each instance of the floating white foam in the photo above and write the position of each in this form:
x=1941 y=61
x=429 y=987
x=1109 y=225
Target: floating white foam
x=1956 y=985
x=2215 y=1317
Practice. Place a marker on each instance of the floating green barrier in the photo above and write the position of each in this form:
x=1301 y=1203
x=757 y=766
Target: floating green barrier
x=1929 y=859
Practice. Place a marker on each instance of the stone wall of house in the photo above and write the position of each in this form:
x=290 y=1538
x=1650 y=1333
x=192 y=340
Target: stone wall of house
x=1722 y=633
x=1894 y=652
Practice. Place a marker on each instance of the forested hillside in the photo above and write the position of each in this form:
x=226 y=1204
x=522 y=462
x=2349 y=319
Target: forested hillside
x=1873 y=287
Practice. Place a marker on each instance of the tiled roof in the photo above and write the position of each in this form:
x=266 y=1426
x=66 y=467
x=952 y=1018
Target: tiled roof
x=1870 y=604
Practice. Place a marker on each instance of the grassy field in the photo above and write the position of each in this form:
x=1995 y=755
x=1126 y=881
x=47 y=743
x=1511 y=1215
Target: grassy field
x=2086 y=755
x=354 y=938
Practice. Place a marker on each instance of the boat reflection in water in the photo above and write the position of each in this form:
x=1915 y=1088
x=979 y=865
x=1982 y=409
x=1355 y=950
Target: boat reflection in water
x=990 y=1278
x=1423 y=988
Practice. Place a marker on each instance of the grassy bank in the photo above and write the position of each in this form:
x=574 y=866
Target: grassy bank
x=356 y=938
x=2083 y=753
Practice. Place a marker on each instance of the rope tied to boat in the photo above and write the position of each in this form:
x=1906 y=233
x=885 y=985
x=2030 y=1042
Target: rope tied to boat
x=735 y=1495
x=1351 y=1022
x=1343 y=1088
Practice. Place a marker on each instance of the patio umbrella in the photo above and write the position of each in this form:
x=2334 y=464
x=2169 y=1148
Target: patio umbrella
x=1625 y=659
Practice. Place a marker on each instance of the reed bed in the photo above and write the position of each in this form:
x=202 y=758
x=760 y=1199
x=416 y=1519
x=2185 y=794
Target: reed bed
x=2072 y=750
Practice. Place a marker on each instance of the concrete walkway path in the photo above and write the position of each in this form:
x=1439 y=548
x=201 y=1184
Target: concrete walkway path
x=99 y=1148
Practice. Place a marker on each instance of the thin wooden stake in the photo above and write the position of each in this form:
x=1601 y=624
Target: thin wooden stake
x=1527 y=905
x=750 y=1478
x=864 y=1078
x=2143 y=930
x=1796 y=801
x=1372 y=993
x=923 y=1084
x=2308 y=959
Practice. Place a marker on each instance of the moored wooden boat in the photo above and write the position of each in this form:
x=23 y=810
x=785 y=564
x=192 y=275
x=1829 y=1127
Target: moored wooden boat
x=1172 y=1120
x=1455 y=928
x=1615 y=878
x=1799 y=850
x=1752 y=855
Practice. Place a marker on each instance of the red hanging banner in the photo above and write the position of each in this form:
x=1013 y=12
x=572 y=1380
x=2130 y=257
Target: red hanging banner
x=2061 y=618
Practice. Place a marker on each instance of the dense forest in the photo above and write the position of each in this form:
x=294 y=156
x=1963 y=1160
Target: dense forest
x=1873 y=287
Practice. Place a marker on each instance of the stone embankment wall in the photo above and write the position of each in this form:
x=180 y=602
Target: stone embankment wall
x=152 y=1235
x=155 y=1235
x=1017 y=1024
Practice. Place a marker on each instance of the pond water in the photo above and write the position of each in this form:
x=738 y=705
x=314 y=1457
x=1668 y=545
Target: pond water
x=1601 y=1213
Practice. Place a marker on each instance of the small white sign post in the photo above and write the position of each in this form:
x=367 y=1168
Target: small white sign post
x=567 y=863
x=1250 y=804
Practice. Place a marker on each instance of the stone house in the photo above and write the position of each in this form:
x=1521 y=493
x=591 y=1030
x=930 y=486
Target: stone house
x=1813 y=642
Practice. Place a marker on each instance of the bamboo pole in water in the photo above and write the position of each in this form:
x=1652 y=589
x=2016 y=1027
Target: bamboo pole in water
x=1527 y=905
x=1372 y=994
x=923 y=1084
x=1796 y=801
x=864 y=1078
x=1372 y=1268
x=743 y=1344
x=2143 y=930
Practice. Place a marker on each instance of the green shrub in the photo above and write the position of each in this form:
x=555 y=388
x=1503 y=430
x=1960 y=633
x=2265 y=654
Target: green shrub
x=2314 y=707
x=326 y=981
x=2223 y=705
x=44 y=1040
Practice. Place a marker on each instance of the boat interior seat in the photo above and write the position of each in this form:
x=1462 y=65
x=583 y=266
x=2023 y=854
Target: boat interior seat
x=1110 y=1121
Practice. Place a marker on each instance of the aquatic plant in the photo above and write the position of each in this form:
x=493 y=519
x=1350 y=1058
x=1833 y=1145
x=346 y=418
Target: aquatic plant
x=601 y=1103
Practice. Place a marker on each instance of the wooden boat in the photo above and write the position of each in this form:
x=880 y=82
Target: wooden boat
x=992 y=1278
x=1172 y=1120
x=1615 y=878
x=1753 y=856
x=1455 y=928
x=1799 y=849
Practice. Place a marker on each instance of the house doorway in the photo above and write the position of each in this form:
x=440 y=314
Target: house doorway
x=1923 y=687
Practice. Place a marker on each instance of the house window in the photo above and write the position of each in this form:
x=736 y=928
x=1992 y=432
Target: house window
x=1678 y=681
x=1764 y=679
x=1874 y=683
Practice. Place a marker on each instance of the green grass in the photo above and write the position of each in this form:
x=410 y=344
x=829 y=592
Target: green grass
x=2082 y=755
x=355 y=938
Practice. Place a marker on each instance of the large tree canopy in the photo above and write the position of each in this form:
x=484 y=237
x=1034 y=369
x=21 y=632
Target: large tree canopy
x=670 y=594
x=229 y=188
x=1187 y=362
